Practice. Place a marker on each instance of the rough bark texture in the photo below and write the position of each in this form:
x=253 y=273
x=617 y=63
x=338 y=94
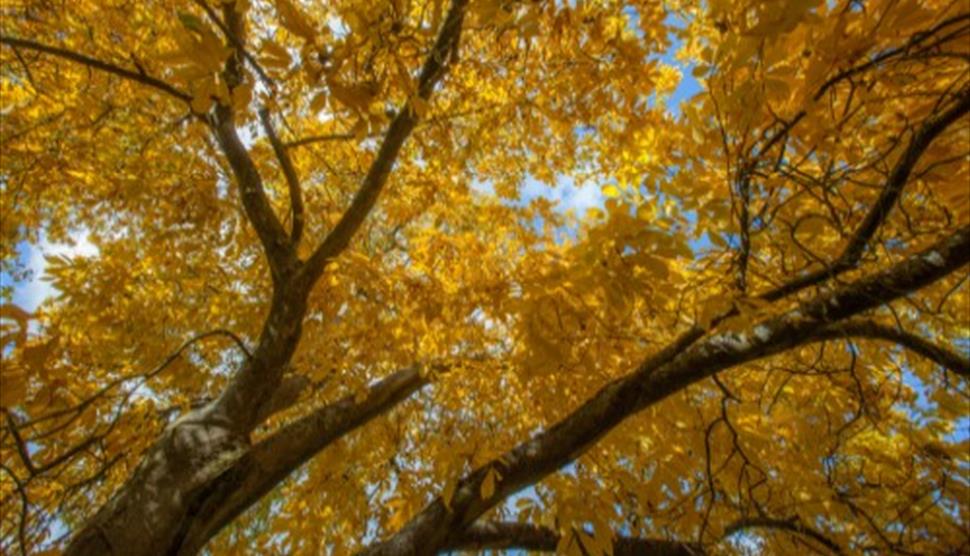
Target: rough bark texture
x=202 y=475
x=437 y=527
x=150 y=513
x=522 y=536
x=267 y=463
x=203 y=472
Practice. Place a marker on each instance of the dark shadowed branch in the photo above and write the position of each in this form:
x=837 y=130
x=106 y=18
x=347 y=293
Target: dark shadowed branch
x=787 y=525
x=435 y=526
x=863 y=234
x=273 y=459
x=496 y=535
x=399 y=130
x=940 y=355
x=136 y=76
x=289 y=172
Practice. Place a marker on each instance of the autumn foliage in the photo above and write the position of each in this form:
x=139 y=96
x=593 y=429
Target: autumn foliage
x=411 y=276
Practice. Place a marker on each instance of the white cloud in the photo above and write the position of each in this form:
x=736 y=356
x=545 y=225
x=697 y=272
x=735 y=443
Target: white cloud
x=31 y=293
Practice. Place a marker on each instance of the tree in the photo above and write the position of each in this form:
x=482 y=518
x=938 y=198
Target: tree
x=328 y=311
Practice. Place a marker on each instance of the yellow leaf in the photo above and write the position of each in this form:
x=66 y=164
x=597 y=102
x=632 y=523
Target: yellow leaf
x=318 y=102
x=356 y=97
x=13 y=384
x=399 y=513
x=711 y=309
x=420 y=106
x=202 y=100
x=241 y=96
x=488 y=485
x=273 y=50
x=294 y=20
x=191 y=21
x=448 y=493
x=589 y=543
x=611 y=191
x=646 y=211
x=566 y=543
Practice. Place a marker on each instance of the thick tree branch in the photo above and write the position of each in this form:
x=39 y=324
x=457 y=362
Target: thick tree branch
x=273 y=237
x=237 y=44
x=276 y=243
x=791 y=525
x=79 y=408
x=878 y=213
x=82 y=59
x=399 y=130
x=495 y=535
x=269 y=462
x=150 y=512
x=289 y=172
x=242 y=401
x=174 y=506
x=942 y=356
x=436 y=526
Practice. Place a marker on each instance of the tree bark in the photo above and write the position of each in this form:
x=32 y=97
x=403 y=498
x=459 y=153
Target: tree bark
x=203 y=471
x=438 y=526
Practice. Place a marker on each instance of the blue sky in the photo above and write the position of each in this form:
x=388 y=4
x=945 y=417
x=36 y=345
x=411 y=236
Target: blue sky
x=568 y=195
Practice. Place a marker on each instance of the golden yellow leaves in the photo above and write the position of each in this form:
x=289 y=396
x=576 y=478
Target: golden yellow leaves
x=203 y=49
x=295 y=20
x=491 y=12
x=357 y=96
x=773 y=21
x=274 y=56
x=956 y=195
x=400 y=512
x=419 y=106
x=198 y=61
x=575 y=537
x=448 y=492
x=207 y=92
x=13 y=384
x=13 y=335
x=492 y=476
x=440 y=274
x=734 y=313
x=15 y=329
x=24 y=361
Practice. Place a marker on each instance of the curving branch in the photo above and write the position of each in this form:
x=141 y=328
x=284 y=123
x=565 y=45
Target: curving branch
x=495 y=535
x=273 y=237
x=789 y=525
x=78 y=408
x=136 y=76
x=270 y=461
x=319 y=139
x=242 y=401
x=879 y=211
x=259 y=211
x=433 y=70
x=289 y=172
x=942 y=356
x=437 y=525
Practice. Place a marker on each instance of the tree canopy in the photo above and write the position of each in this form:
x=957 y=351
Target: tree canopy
x=343 y=295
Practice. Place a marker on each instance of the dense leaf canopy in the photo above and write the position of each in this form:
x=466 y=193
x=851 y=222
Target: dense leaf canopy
x=405 y=276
